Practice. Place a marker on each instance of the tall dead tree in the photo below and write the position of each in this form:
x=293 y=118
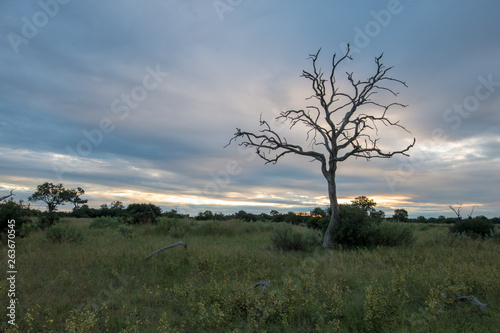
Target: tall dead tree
x=336 y=126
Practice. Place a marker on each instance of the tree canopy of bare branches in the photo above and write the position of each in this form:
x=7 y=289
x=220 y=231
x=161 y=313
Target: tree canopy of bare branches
x=341 y=123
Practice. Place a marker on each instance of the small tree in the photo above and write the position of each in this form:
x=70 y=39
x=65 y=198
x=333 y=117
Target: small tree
x=336 y=125
x=73 y=196
x=52 y=195
x=143 y=213
x=318 y=211
x=379 y=215
x=400 y=215
x=205 y=216
x=364 y=203
x=10 y=210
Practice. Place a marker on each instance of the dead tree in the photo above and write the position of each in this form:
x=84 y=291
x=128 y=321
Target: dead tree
x=458 y=210
x=336 y=126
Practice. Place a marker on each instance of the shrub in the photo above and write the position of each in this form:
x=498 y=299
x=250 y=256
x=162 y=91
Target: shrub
x=172 y=226
x=64 y=233
x=105 y=222
x=47 y=220
x=126 y=230
x=286 y=239
x=11 y=210
x=496 y=237
x=178 y=231
x=27 y=228
x=320 y=223
x=473 y=227
x=216 y=228
x=164 y=224
x=143 y=213
x=393 y=234
x=354 y=227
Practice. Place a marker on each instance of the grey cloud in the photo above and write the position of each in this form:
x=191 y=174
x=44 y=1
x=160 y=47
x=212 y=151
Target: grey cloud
x=224 y=74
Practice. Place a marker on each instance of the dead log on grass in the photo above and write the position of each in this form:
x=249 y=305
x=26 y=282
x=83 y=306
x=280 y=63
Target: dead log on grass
x=165 y=248
x=474 y=300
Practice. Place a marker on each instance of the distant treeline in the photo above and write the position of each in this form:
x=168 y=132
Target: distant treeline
x=314 y=217
x=143 y=213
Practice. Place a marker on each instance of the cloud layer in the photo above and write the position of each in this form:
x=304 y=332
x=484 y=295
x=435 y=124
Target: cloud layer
x=134 y=101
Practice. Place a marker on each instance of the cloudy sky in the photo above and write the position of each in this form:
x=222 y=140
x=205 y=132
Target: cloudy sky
x=135 y=100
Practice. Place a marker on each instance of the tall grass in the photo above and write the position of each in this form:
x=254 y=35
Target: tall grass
x=101 y=284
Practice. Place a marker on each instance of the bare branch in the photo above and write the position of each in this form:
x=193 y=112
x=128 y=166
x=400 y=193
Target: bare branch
x=472 y=211
x=165 y=248
x=457 y=210
x=7 y=196
x=270 y=143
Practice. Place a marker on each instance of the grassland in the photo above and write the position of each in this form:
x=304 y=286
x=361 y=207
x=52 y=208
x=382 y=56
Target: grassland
x=102 y=284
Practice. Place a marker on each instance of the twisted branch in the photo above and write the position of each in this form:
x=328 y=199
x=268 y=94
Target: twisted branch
x=7 y=196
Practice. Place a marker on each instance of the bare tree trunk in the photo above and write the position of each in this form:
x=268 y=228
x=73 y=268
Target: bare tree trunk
x=334 y=210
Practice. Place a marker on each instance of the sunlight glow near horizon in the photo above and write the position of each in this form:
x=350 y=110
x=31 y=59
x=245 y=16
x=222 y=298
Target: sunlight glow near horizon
x=165 y=145
x=106 y=196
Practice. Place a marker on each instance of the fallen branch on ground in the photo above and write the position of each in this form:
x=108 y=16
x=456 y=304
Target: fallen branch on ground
x=262 y=283
x=474 y=300
x=164 y=248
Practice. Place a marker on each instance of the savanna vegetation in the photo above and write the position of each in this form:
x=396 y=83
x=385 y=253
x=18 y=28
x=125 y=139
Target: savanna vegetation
x=252 y=274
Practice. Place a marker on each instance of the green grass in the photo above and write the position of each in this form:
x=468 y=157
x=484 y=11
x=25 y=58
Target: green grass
x=102 y=284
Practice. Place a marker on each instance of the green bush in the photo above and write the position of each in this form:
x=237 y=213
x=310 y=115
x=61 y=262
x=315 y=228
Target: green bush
x=47 y=220
x=354 y=227
x=286 y=239
x=172 y=226
x=105 y=222
x=178 y=231
x=11 y=210
x=126 y=230
x=392 y=234
x=320 y=223
x=60 y=233
x=474 y=227
x=496 y=237
x=216 y=228
x=27 y=228
x=143 y=213
x=357 y=229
